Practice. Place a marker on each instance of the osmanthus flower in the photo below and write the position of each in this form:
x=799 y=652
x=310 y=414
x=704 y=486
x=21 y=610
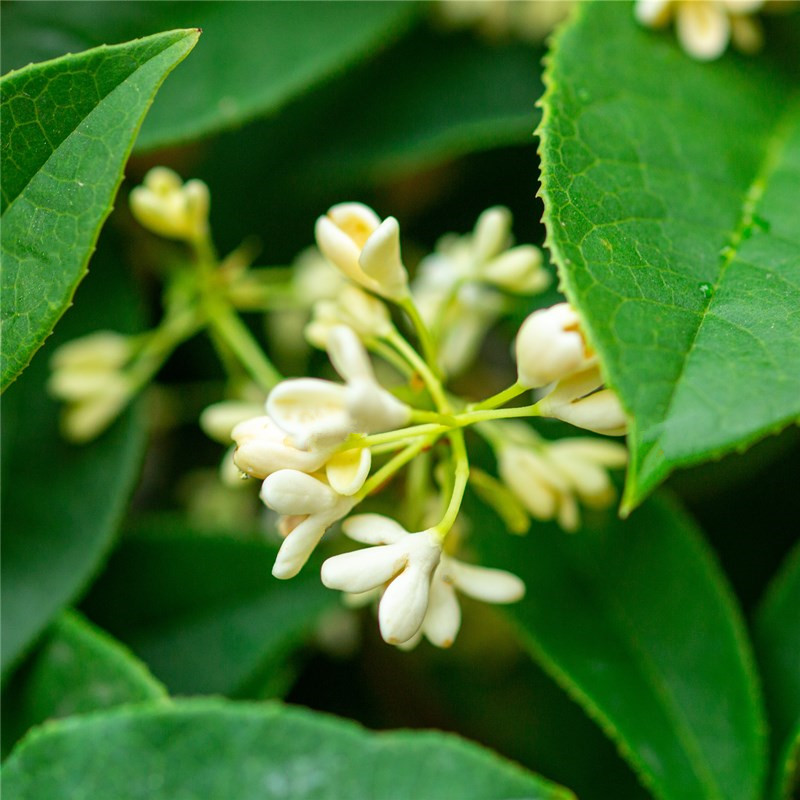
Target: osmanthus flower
x=580 y=401
x=367 y=250
x=455 y=287
x=169 y=207
x=552 y=351
x=549 y=478
x=530 y=20
x=364 y=314
x=318 y=413
x=88 y=375
x=218 y=422
x=705 y=27
x=404 y=562
x=416 y=581
x=309 y=506
x=550 y=346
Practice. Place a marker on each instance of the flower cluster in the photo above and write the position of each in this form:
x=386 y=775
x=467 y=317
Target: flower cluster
x=324 y=446
x=705 y=27
x=321 y=446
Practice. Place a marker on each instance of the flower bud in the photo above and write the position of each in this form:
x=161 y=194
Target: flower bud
x=91 y=415
x=289 y=491
x=551 y=346
x=518 y=270
x=219 y=419
x=263 y=448
x=600 y=412
x=365 y=249
x=492 y=234
x=354 y=308
x=102 y=350
x=170 y=208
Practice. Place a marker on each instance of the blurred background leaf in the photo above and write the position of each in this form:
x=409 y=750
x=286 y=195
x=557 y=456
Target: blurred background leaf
x=203 y=748
x=636 y=622
x=777 y=637
x=255 y=56
x=204 y=612
x=76 y=669
x=67 y=129
x=67 y=499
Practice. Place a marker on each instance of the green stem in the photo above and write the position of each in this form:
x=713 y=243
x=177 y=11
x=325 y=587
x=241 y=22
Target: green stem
x=428 y=346
x=392 y=466
x=230 y=329
x=499 y=399
x=459 y=485
x=175 y=328
x=432 y=383
x=387 y=354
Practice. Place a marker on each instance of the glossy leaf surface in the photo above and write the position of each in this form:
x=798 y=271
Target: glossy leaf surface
x=671 y=190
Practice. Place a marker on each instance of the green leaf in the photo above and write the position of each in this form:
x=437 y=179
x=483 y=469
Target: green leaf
x=64 y=501
x=636 y=622
x=77 y=669
x=671 y=192
x=203 y=612
x=67 y=128
x=201 y=749
x=777 y=637
x=255 y=57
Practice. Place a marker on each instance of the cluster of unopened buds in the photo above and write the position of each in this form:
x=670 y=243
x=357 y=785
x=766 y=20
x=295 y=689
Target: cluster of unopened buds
x=321 y=447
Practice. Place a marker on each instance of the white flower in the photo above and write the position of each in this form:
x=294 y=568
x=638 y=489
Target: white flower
x=454 y=286
x=219 y=419
x=442 y=620
x=87 y=374
x=705 y=27
x=86 y=417
x=405 y=561
x=353 y=307
x=309 y=507
x=579 y=400
x=171 y=208
x=550 y=345
x=549 y=478
x=366 y=250
x=530 y=20
x=263 y=448
x=319 y=413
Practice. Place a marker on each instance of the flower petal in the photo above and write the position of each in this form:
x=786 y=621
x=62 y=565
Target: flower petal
x=347 y=471
x=362 y=570
x=374 y=529
x=289 y=491
x=483 y=583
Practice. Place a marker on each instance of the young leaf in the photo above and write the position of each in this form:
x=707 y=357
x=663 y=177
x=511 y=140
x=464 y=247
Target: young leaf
x=76 y=669
x=64 y=501
x=203 y=748
x=68 y=126
x=203 y=612
x=255 y=57
x=636 y=622
x=671 y=197
x=777 y=637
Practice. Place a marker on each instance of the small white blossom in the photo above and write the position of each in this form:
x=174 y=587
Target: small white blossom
x=171 y=208
x=87 y=374
x=353 y=307
x=705 y=27
x=309 y=507
x=366 y=250
x=405 y=561
x=579 y=400
x=455 y=286
x=219 y=419
x=549 y=478
x=318 y=413
x=550 y=346
x=263 y=448
x=530 y=20
x=443 y=618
